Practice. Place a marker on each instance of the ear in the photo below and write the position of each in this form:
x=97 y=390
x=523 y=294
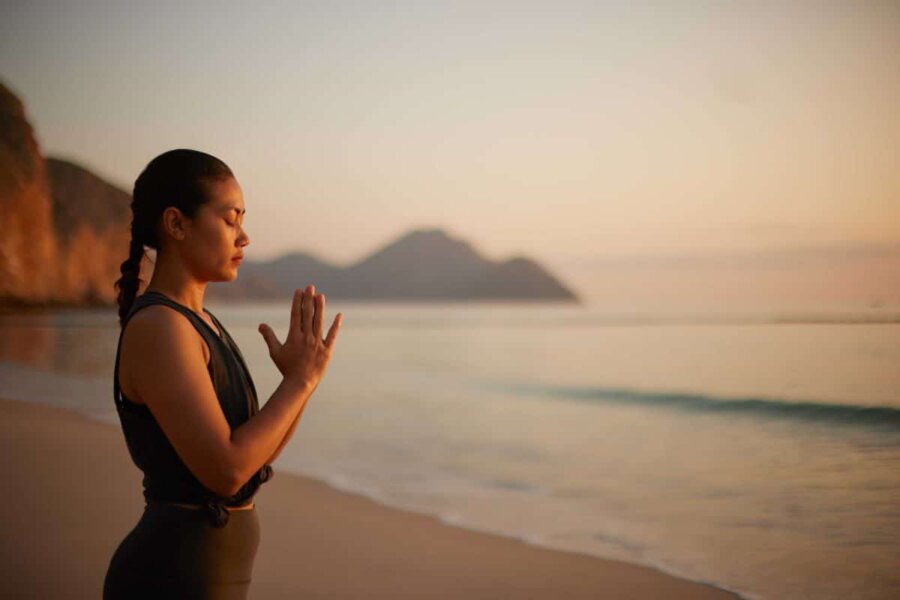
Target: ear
x=174 y=223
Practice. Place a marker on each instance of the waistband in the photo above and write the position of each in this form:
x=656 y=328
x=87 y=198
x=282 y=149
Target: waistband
x=216 y=511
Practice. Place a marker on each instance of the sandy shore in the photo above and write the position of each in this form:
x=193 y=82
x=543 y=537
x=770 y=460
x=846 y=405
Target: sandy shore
x=72 y=494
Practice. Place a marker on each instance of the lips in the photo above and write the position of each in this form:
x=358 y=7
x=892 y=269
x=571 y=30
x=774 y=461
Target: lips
x=237 y=259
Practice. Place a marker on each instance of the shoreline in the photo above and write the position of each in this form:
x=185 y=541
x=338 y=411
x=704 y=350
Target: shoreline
x=74 y=486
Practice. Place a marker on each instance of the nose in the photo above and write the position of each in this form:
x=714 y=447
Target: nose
x=243 y=239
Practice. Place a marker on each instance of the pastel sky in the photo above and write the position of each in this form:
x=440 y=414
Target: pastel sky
x=562 y=130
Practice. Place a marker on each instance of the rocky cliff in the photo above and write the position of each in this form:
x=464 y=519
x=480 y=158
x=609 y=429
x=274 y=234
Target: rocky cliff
x=28 y=244
x=65 y=230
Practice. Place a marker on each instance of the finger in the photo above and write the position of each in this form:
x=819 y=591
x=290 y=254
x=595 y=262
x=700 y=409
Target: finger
x=307 y=308
x=270 y=338
x=320 y=314
x=295 y=312
x=333 y=331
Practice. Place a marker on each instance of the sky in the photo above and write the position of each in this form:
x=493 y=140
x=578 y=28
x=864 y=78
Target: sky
x=570 y=132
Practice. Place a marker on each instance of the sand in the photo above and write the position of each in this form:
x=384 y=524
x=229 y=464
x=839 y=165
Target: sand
x=72 y=493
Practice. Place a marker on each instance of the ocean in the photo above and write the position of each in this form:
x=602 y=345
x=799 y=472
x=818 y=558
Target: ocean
x=756 y=452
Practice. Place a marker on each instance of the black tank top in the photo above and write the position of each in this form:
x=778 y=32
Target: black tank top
x=166 y=477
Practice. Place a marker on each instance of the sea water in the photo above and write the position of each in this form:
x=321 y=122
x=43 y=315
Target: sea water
x=757 y=452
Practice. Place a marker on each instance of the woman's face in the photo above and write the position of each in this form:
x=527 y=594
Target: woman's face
x=215 y=236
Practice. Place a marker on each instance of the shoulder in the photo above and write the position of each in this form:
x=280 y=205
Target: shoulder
x=157 y=332
x=158 y=322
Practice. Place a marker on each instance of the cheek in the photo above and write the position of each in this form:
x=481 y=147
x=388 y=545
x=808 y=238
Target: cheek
x=215 y=241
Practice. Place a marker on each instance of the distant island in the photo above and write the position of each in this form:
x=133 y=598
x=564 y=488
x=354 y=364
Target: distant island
x=423 y=265
x=66 y=231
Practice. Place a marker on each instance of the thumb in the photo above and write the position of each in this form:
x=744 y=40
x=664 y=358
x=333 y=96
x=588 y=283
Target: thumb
x=269 y=337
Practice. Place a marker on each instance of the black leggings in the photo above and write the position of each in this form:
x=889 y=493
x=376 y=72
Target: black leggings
x=175 y=552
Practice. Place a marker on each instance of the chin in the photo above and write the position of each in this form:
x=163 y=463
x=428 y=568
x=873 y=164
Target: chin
x=229 y=274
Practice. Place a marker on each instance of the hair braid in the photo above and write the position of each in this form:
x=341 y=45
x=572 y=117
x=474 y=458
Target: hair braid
x=130 y=280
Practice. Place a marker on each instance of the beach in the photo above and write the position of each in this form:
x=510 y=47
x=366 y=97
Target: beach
x=545 y=456
x=74 y=494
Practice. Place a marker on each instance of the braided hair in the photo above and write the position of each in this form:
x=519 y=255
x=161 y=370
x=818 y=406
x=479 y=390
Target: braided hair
x=175 y=178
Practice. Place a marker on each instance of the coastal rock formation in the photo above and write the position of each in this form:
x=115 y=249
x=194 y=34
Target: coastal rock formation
x=65 y=230
x=28 y=248
x=92 y=219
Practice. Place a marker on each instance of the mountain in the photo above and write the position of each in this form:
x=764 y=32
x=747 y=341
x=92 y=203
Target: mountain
x=272 y=279
x=423 y=265
x=518 y=277
x=91 y=219
x=66 y=233
x=81 y=199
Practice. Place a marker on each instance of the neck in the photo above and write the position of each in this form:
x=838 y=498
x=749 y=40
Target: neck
x=173 y=279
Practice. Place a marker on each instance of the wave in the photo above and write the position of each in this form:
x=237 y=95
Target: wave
x=849 y=414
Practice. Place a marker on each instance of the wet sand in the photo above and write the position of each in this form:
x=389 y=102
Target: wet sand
x=72 y=494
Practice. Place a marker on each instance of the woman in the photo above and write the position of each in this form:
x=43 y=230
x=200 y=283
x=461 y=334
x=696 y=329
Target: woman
x=185 y=399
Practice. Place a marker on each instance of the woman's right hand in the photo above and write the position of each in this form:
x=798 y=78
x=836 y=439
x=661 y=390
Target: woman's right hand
x=304 y=355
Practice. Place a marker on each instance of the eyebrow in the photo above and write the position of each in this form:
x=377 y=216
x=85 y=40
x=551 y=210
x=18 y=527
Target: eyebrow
x=237 y=210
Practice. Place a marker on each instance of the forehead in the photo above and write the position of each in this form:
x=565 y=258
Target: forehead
x=226 y=195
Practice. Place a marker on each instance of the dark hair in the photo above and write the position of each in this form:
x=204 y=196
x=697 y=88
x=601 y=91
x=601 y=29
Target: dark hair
x=175 y=178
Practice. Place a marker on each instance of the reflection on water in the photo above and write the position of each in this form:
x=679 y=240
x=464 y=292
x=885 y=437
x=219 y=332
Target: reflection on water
x=76 y=342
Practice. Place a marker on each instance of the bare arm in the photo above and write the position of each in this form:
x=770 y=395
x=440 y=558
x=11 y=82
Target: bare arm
x=287 y=436
x=274 y=424
x=164 y=357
